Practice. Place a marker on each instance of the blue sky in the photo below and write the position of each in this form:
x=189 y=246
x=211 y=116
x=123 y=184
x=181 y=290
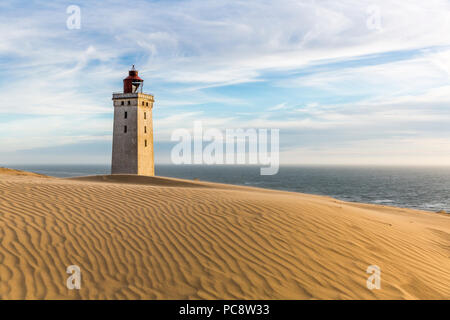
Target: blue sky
x=346 y=82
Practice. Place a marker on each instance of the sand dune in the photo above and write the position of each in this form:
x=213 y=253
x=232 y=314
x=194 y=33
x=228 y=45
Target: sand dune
x=155 y=238
x=14 y=172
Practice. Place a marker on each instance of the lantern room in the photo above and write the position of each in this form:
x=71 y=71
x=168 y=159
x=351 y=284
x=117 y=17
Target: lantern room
x=132 y=83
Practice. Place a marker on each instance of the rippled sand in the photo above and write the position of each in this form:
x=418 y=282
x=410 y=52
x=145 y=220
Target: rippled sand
x=158 y=238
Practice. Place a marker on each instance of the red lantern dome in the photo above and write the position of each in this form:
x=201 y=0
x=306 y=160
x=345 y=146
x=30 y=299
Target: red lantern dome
x=132 y=83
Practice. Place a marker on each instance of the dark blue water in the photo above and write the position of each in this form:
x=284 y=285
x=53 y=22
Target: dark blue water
x=423 y=188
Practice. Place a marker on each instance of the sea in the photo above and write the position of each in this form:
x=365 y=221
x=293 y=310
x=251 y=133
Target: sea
x=425 y=188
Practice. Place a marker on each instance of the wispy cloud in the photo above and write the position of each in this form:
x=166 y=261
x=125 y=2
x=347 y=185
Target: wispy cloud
x=314 y=69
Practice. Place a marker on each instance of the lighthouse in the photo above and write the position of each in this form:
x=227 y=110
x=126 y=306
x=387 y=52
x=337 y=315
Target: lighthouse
x=132 y=149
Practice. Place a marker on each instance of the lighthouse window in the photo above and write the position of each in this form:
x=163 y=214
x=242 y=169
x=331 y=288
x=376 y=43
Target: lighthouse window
x=145 y=129
x=124 y=129
x=129 y=102
x=145 y=142
x=147 y=104
x=122 y=103
x=126 y=115
x=145 y=115
x=142 y=102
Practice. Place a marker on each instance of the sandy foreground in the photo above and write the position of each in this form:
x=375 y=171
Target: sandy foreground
x=159 y=238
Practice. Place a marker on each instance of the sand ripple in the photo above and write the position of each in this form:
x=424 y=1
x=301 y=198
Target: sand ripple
x=156 y=238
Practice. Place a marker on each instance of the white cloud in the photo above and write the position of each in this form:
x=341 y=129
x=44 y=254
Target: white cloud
x=188 y=50
x=396 y=151
x=38 y=132
x=278 y=107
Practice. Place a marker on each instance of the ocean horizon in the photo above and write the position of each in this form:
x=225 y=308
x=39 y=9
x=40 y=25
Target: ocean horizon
x=424 y=188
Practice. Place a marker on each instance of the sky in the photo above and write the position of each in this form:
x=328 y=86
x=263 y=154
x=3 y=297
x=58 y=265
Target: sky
x=345 y=82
